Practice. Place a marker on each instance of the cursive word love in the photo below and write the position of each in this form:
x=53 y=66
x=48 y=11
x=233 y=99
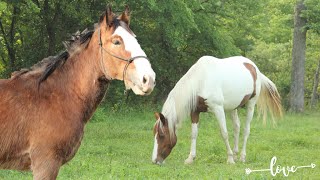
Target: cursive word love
x=277 y=169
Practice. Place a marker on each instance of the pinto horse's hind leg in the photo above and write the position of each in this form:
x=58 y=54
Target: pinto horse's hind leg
x=236 y=131
x=194 y=135
x=219 y=112
x=45 y=167
x=250 y=111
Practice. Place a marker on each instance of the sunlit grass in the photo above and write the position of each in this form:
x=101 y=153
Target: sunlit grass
x=119 y=145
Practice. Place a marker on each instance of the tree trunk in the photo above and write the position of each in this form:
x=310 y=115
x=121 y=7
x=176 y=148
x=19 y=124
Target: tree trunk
x=298 y=60
x=9 y=41
x=314 y=96
x=50 y=22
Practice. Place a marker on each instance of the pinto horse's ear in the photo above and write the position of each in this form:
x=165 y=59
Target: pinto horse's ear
x=157 y=116
x=161 y=117
x=125 y=16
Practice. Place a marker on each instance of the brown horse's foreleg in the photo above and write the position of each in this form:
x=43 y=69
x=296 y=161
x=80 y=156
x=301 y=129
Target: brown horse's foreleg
x=45 y=166
x=194 y=135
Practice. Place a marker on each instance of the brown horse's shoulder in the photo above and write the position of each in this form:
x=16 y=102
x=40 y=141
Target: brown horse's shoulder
x=14 y=145
x=64 y=137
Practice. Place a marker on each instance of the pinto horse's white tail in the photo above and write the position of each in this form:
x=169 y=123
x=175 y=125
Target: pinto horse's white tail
x=269 y=99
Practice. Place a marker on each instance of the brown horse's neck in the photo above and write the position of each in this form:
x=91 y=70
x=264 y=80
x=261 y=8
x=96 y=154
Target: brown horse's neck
x=80 y=80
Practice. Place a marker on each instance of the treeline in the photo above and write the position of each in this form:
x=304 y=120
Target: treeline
x=174 y=34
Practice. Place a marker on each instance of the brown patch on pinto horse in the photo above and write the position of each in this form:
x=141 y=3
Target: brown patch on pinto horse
x=245 y=99
x=201 y=107
x=253 y=73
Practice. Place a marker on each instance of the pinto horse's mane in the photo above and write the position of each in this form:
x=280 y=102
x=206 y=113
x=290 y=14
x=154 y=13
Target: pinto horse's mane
x=77 y=42
x=182 y=99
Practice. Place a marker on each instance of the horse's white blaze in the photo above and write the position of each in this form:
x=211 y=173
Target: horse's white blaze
x=155 y=149
x=143 y=66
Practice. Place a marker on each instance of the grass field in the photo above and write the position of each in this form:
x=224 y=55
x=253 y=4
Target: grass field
x=119 y=146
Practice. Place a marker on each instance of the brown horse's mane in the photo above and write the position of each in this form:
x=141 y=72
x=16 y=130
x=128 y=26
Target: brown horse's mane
x=77 y=42
x=48 y=65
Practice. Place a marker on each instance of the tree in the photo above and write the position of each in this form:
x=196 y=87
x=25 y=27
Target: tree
x=298 y=59
x=314 y=95
x=8 y=33
x=313 y=24
x=174 y=35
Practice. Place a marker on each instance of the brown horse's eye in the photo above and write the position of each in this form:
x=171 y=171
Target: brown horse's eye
x=116 y=42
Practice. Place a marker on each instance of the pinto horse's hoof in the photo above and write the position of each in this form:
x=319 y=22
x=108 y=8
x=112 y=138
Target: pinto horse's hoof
x=243 y=158
x=189 y=160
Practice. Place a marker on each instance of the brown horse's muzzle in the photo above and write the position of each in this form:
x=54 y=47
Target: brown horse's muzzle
x=140 y=77
x=148 y=84
x=142 y=87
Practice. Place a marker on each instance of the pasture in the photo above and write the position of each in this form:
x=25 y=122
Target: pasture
x=118 y=145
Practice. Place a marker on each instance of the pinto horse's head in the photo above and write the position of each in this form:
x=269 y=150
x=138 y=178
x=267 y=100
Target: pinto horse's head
x=164 y=141
x=121 y=55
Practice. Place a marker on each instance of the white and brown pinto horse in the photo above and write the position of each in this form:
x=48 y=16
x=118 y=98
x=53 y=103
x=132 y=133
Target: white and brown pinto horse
x=215 y=85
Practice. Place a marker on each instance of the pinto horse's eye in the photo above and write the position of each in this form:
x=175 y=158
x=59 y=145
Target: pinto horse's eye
x=116 y=42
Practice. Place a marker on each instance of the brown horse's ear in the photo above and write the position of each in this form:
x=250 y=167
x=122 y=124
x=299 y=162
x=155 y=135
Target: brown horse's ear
x=125 y=16
x=109 y=15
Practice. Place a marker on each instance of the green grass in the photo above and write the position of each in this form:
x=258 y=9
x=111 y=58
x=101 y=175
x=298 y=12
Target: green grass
x=119 y=146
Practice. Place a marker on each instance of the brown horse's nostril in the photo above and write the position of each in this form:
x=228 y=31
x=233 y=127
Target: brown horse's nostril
x=145 y=79
x=147 y=84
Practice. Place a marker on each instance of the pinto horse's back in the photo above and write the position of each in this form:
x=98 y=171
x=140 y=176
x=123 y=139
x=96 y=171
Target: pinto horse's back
x=230 y=82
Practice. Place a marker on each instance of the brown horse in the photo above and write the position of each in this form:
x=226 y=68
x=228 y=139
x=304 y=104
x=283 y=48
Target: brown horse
x=43 y=110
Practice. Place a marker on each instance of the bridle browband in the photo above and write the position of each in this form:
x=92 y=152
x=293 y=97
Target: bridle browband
x=130 y=60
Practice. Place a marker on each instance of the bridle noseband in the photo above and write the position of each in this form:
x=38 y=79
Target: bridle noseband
x=130 y=60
